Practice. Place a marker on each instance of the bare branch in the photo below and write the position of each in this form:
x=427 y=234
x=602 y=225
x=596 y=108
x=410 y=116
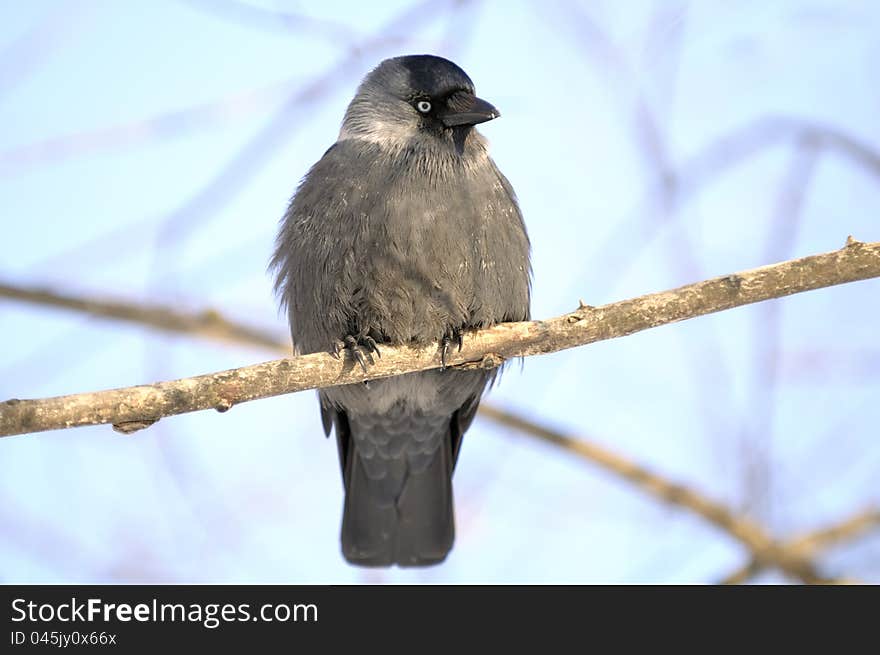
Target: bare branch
x=140 y=406
x=793 y=556
x=208 y=324
x=764 y=550
x=851 y=528
x=743 y=574
x=811 y=543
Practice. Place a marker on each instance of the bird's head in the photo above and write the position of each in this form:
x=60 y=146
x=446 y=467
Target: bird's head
x=415 y=98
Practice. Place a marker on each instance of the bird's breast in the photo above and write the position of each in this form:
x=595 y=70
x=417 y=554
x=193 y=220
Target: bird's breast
x=428 y=250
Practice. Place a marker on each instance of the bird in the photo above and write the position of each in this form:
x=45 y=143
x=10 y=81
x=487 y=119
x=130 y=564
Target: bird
x=404 y=232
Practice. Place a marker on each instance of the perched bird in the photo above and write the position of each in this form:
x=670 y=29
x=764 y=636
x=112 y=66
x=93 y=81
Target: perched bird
x=405 y=232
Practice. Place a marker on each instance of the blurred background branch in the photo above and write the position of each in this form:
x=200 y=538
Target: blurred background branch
x=208 y=324
x=765 y=551
x=808 y=546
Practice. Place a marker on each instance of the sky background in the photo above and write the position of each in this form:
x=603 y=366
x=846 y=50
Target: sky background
x=148 y=150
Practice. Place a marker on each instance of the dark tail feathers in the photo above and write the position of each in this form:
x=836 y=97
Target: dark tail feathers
x=403 y=518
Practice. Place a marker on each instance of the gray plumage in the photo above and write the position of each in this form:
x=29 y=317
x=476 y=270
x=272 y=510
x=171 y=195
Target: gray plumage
x=404 y=232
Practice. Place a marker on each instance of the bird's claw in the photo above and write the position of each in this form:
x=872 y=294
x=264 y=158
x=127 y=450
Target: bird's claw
x=360 y=349
x=453 y=335
x=371 y=346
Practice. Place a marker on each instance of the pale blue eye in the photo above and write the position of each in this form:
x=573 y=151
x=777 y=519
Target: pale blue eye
x=423 y=106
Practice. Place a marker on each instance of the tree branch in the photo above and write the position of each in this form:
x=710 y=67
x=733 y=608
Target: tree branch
x=208 y=324
x=762 y=547
x=795 y=553
x=809 y=544
x=851 y=528
x=136 y=407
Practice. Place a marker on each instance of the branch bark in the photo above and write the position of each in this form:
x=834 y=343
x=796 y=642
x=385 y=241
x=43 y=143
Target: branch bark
x=133 y=408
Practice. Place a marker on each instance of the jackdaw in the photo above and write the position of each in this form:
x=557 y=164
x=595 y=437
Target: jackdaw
x=405 y=232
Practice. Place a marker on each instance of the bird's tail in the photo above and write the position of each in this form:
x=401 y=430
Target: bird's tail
x=399 y=512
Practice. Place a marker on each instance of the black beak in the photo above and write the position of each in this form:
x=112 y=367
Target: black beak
x=479 y=112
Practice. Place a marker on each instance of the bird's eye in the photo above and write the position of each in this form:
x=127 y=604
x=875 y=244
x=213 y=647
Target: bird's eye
x=423 y=106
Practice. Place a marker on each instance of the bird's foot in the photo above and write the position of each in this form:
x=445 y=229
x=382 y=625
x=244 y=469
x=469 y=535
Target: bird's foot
x=360 y=348
x=452 y=336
